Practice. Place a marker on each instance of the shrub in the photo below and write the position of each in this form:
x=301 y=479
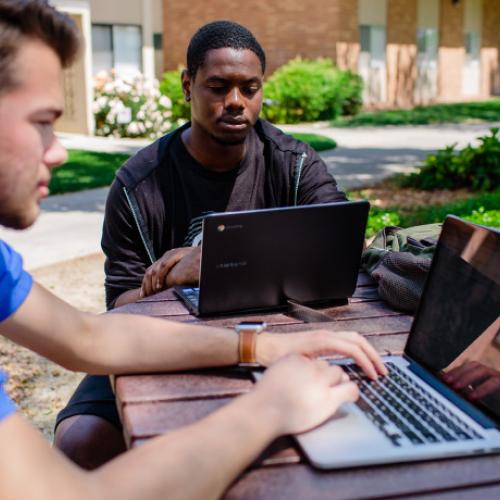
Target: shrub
x=309 y=90
x=378 y=219
x=485 y=217
x=171 y=87
x=475 y=167
x=130 y=107
x=351 y=90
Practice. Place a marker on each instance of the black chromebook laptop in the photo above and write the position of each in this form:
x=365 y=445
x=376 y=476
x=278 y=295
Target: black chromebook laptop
x=442 y=397
x=258 y=260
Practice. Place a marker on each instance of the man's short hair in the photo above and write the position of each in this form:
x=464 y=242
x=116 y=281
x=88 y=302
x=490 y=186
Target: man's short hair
x=34 y=19
x=221 y=35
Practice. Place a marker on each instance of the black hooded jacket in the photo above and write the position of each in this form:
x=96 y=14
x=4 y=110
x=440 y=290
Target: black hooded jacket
x=140 y=217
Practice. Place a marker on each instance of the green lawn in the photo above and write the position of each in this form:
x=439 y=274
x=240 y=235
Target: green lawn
x=424 y=115
x=317 y=142
x=85 y=170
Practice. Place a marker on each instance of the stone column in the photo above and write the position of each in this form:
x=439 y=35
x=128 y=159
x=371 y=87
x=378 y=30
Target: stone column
x=401 y=51
x=490 y=49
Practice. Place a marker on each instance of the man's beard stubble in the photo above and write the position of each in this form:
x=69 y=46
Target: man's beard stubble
x=17 y=221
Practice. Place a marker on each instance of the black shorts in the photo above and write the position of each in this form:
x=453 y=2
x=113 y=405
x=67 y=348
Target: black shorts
x=93 y=396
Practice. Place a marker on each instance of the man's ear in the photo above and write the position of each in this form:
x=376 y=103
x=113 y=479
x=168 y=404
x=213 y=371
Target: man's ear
x=186 y=84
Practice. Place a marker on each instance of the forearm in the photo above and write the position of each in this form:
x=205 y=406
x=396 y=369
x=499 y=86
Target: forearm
x=198 y=461
x=115 y=343
x=128 y=297
x=118 y=343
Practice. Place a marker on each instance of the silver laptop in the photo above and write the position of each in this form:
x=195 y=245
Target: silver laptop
x=259 y=260
x=418 y=412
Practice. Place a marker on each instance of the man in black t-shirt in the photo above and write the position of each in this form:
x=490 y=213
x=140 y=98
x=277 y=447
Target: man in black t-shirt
x=224 y=159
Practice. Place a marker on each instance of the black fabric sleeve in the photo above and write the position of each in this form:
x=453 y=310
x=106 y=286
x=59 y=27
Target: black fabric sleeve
x=316 y=184
x=126 y=257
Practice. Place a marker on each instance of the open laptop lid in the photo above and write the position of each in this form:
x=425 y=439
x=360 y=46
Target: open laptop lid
x=456 y=330
x=259 y=259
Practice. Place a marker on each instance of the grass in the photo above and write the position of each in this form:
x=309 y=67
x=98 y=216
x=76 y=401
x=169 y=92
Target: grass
x=425 y=115
x=85 y=170
x=317 y=142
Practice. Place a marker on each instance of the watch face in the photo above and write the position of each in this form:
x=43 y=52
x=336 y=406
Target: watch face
x=251 y=325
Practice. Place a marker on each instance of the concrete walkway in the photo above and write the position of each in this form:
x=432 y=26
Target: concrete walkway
x=70 y=225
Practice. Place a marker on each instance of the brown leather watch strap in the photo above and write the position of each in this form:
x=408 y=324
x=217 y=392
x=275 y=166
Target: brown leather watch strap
x=247 y=346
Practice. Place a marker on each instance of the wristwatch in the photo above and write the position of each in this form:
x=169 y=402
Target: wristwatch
x=247 y=343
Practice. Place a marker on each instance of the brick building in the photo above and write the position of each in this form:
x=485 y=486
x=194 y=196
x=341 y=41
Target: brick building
x=407 y=51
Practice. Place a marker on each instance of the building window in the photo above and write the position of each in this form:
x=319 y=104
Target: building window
x=372 y=40
x=371 y=63
x=117 y=47
x=158 y=41
x=427 y=43
x=472 y=42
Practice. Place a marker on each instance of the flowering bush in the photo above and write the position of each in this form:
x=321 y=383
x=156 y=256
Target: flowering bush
x=130 y=107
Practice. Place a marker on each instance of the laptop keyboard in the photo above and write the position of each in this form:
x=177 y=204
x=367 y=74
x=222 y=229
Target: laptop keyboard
x=192 y=295
x=405 y=412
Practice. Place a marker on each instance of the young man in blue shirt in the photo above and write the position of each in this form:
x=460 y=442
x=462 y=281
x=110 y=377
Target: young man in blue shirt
x=296 y=393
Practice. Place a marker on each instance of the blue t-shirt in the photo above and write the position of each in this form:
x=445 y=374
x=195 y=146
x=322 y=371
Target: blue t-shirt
x=15 y=285
x=15 y=282
x=7 y=407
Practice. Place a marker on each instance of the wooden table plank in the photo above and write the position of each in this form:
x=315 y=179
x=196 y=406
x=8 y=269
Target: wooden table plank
x=384 y=325
x=388 y=481
x=360 y=310
x=179 y=386
x=487 y=492
x=155 y=308
x=269 y=318
x=143 y=420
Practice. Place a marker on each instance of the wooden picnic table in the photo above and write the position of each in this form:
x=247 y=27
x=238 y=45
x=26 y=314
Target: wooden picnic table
x=154 y=404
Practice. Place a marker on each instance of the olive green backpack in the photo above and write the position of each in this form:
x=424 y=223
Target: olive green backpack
x=398 y=260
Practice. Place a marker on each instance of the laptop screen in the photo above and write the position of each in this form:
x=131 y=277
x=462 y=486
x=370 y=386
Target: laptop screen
x=456 y=331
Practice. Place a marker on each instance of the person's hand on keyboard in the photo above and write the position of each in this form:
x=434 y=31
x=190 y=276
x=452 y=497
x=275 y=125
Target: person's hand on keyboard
x=301 y=393
x=316 y=343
